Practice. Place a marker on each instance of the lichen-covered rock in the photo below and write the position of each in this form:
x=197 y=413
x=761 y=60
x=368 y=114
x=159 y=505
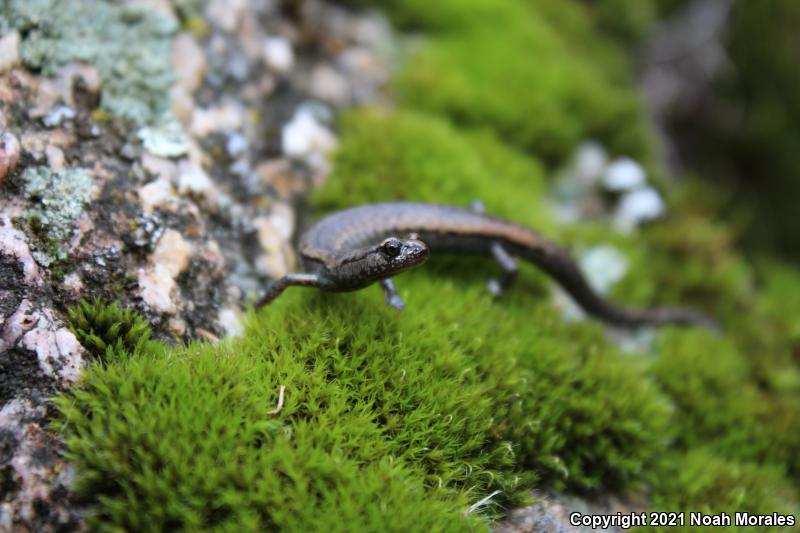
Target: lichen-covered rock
x=131 y=169
x=9 y=154
x=34 y=472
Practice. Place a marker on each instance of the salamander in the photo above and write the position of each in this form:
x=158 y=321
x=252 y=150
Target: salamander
x=356 y=247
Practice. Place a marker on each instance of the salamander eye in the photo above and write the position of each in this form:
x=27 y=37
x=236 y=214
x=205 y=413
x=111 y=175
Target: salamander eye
x=392 y=247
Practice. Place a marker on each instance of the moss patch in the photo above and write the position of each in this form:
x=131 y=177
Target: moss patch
x=403 y=421
x=107 y=330
x=422 y=157
x=438 y=408
x=701 y=481
x=538 y=74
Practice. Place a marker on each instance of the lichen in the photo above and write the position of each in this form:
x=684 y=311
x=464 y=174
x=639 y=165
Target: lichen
x=129 y=45
x=165 y=138
x=58 y=200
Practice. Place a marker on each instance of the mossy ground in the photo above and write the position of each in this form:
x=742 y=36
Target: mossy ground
x=402 y=421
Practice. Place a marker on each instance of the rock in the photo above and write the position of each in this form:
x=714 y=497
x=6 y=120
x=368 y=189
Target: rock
x=624 y=174
x=281 y=176
x=225 y=118
x=328 y=84
x=192 y=179
x=604 y=266
x=372 y=30
x=575 y=192
x=281 y=218
x=165 y=139
x=177 y=326
x=189 y=62
x=55 y=157
x=73 y=285
x=34 y=142
x=163 y=7
x=130 y=153
x=16 y=325
x=79 y=85
x=551 y=514
x=181 y=103
x=59 y=199
x=9 y=154
x=278 y=54
x=45 y=98
x=638 y=206
x=157 y=281
x=304 y=136
x=226 y=14
x=155 y=288
x=172 y=252
x=236 y=145
x=9 y=51
x=589 y=162
x=276 y=259
x=59 y=353
x=155 y=194
x=56 y=116
x=231 y=321
x=159 y=167
x=33 y=465
x=14 y=244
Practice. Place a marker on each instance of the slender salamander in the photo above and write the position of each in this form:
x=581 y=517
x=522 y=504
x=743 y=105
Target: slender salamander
x=356 y=247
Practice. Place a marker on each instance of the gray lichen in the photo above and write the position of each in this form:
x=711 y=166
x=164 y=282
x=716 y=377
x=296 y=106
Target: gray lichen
x=128 y=44
x=165 y=138
x=59 y=199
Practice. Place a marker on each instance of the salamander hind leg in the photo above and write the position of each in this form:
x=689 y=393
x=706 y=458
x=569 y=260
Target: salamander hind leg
x=392 y=298
x=496 y=286
x=278 y=286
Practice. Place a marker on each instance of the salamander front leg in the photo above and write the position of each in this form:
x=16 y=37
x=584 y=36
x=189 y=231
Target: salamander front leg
x=278 y=286
x=392 y=298
x=496 y=286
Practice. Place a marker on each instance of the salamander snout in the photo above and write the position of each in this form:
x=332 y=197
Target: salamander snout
x=418 y=251
x=404 y=253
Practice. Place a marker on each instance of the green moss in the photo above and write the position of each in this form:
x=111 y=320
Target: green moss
x=686 y=259
x=127 y=43
x=543 y=83
x=422 y=157
x=709 y=381
x=416 y=157
x=445 y=404
x=364 y=424
x=626 y=20
x=107 y=330
x=701 y=481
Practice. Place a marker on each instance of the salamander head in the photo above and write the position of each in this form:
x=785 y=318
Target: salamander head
x=367 y=265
